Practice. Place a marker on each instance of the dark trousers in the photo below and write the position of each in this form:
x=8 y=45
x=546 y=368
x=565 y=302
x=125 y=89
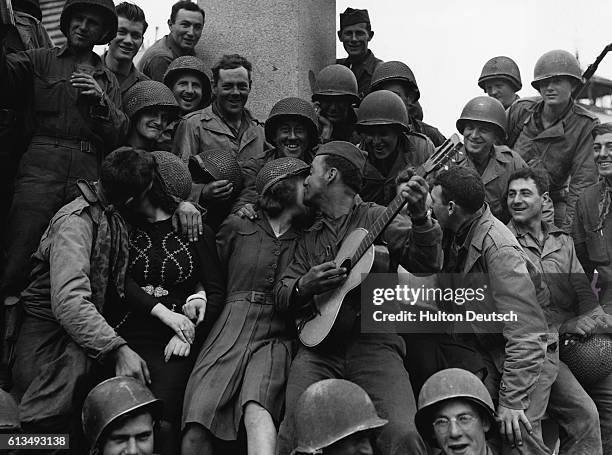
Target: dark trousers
x=51 y=377
x=45 y=182
x=375 y=363
x=584 y=413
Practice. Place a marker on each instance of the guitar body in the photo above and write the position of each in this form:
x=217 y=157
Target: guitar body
x=332 y=315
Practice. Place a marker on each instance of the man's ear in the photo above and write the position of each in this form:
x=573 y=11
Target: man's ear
x=371 y=34
x=546 y=197
x=170 y=23
x=452 y=207
x=332 y=173
x=340 y=35
x=486 y=424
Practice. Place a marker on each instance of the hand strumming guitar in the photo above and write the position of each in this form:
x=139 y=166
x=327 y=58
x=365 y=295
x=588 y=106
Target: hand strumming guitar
x=319 y=279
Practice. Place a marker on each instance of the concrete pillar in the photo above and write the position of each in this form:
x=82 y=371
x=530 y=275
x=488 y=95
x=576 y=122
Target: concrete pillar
x=283 y=39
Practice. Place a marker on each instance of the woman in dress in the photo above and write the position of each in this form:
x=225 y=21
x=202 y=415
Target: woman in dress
x=171 y=282
x=240 y=374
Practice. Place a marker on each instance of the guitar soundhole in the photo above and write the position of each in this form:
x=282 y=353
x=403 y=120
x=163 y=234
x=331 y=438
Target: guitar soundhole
x=346 y=264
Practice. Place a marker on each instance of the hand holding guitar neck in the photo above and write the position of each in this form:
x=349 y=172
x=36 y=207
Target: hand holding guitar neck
x=415 y=191
x=321 y=278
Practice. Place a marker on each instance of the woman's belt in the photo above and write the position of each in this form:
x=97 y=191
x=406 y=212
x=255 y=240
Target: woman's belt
x=265 y=298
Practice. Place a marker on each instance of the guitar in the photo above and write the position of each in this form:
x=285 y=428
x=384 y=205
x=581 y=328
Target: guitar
x=358 y=254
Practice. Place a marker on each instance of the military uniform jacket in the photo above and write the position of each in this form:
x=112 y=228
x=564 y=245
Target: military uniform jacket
x=564 y=149
x=363 y=71
x=518 y=351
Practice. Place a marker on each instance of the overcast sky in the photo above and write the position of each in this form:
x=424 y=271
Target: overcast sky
x=446 y=42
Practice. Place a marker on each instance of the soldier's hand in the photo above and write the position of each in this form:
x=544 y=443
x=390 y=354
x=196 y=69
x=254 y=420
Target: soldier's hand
x=325 y=126
x=219 y=190
x=509 y=424
x=321 y=278
x=176 y=347
x=128 y=363
x=187 y=220
x=415 y=192
x=247 y=211
x=87 y=85
x=582 y=325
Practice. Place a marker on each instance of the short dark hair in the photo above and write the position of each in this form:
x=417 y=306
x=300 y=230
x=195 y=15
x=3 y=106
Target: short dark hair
x=133 y=13
x=126 y=172
x=350 y=175
x=463 y=186
x=603 y=128
x=279 y=196
x=189 y=6
x=229 y=62
x=539 y=177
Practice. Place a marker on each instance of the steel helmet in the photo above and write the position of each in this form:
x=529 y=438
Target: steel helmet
x=394 y=71
x=590 y=359
x=146 y=94
x=445 y=385
x=501 y=68
x=383 y=107
x=112 y=399
x=9 y=412
x=189 y=64
x=484 y=109
x=292 y=107
x=32 y=7
x=216 y=164
x=331 y=410
x=174 y=174
x=106 y=7
x=279 y=169
x=336 y=80
x=556 y=63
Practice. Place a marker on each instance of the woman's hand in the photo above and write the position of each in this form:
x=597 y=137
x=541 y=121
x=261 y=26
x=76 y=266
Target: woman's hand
x=195 y=308
x=176 y=347
x=181 y=324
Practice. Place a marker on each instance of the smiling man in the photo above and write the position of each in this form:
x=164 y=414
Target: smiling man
x=186 y=24
x=77 y=121
x=226 y=124
x=455 y=413
x=125 y=45
x=355 y=34
x=554 y=132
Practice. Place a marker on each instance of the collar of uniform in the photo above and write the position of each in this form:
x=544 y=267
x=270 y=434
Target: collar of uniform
x=321 y=218
x=367 y=64
x=557 y=129
x=215 y=122
x=133 y=74
x=476 y=237
x=527 y=240
x=174 y=47
x=263 y=222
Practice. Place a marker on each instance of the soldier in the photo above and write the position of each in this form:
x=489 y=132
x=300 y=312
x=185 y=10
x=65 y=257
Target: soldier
x=292 y=129
x=334 y=95
x=119 y=417
x=374 y=361
x=382 y=122
x=483 y=125
x=64 y=338
x=480 y=252
x=226 y=124
x=186 y=77
x=455 y=413
x=500 y=78
x=592 y=231
x=119 y=58
x=554 y=132
x=76 y=103
x=336 y=417
x=186 y=24
x=398 y=78
x=572 y=308
x=355 y=34
x=151 y=106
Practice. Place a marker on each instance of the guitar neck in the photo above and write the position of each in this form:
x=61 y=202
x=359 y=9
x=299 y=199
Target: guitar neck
x=443 y=154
